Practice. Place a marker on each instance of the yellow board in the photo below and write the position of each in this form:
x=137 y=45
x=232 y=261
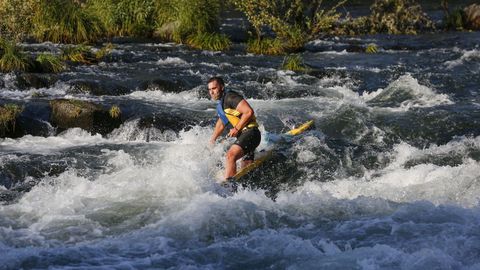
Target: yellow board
x=265 y=155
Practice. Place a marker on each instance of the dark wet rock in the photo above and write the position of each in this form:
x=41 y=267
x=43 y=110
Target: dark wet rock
x=35 y=80
x=472 y=17
x=2 y=84
x=34 y=119
x=97 y=88
x=8 y=197
x=167 y=121
x=30 y=119
x=20 y=174
x=131 y=39
x=83 y=114
x=165 y=85
x=321 y=73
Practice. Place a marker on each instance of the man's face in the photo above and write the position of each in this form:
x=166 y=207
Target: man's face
x=215 y=90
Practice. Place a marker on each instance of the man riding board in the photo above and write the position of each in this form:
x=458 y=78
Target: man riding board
x=234 y=112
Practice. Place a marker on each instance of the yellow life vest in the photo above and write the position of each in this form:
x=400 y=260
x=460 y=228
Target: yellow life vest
x=233 y=117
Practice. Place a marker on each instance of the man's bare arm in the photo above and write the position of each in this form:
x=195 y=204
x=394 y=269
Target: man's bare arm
x=219 y=127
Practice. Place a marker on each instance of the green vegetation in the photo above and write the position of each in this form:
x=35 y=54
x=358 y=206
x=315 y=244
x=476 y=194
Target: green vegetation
x=8 y=114
x=12 y=57
x=278 y=26
x=70 y=108
x=293 y=22
x=371 y=48
x=16 y=18
x=398 y=17
x=461 y=19
x=455 y=20
x=180 y=20
x=104 y=51
x=124 y=17
x=63 y=21
x=269 y=46
x=50 y=63
x=209 y=41
x=78 y=54
x=114 y=111
x=472 y=17
x=294 y=62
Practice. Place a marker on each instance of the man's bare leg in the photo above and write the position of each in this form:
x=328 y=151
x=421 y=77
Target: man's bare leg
x=233 y=154
x=245 y=163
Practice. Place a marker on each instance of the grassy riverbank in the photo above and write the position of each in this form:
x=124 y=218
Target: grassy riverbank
x=275 y=27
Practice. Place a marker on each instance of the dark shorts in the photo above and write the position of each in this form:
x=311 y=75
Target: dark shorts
x=248 y=140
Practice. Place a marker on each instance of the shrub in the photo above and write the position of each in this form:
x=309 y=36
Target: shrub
x=455 y=20
x=65 y=21
x=209 y=41
x=16 y=18
x=125 y=17
x=371 y=48
x=78 y=54
x=12 y=57
x=115 y=111
x=398 y=17
x=293 y=22
x=293 y=62
x=50 y=63
x=472 y=16
x=360 y=25
x=271 y=46
x=104 y=51
x=8 y=114
x=294 y=38
x=180 y=19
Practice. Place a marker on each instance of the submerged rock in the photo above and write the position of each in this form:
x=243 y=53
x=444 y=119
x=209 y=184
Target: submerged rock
x=83 y=114
x=34 y=119
x=167 y=121
x=165 y=85
x=34 y=80
x=97 y=88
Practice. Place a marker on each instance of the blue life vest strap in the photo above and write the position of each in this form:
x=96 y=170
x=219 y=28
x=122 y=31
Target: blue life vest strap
x=221 y=112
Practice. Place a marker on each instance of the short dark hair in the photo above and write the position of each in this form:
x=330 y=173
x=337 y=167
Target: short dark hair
x=217 y=79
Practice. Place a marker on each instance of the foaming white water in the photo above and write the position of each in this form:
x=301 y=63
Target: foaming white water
x=165 y=211
x=161 y=45
x=413 y=176
x=467 y=56
x=9 y=80
x=69 y=138
x=176 y=61
x=129 y=131
x=11 y=90
x=160 y=96
x=411 y=93
x=286 y=78
x=128 y=194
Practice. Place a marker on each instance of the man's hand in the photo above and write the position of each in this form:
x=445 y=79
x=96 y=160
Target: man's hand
x=233 y=132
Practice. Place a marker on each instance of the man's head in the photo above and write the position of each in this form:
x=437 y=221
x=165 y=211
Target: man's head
x=215 y=87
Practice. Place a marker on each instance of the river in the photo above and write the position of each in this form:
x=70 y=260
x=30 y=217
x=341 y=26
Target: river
x=389 y=178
